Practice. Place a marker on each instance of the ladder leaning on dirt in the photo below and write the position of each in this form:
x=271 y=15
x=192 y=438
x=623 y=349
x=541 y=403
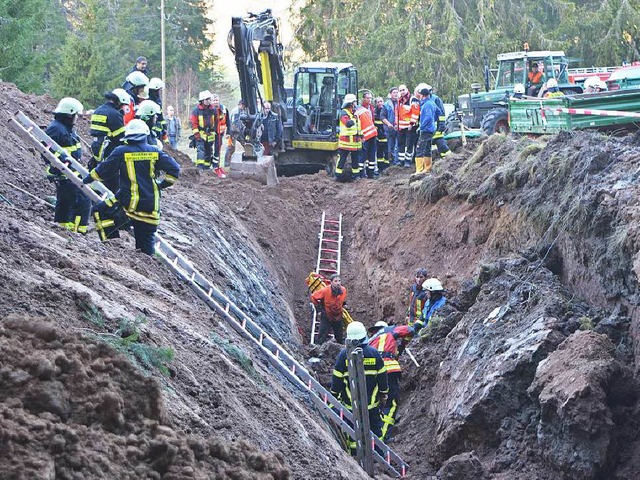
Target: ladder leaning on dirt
x=324 y=401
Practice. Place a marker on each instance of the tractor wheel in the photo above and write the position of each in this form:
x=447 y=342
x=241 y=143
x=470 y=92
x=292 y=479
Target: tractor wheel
x=496 y=121
x=452 y=123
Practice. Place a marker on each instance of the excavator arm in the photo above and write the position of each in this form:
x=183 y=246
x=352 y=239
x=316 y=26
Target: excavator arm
x=255 y=42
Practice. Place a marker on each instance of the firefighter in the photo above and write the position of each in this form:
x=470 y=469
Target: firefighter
x=405 y=114
x=160 y=128
x=417 y=297
x=382 y=160
x=366 y=113
x=204 y=130
x=137 y=201
x=107 y=127
x=349 y=140
x=138 y=81
x=435 y=300
x=330 y=300
x=552 y=89
x=221 y=121
x=428 y=115
x=375 y=373
x=518 y=91
x=72 y=206
x=441 y=124
x=387 y=340
x=148 y=111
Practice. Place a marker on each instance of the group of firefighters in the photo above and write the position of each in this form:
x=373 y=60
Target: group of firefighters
x=398 y=131
x=127 y=157
x=382 y=345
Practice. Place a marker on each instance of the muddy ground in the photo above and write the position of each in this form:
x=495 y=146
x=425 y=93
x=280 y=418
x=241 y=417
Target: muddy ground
x=529 y=372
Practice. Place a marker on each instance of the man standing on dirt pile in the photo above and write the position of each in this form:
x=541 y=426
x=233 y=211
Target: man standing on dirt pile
x=417 y=297
x=349 y=140
x=366 y=114
x=330 y=300
x=389 y=117
x=386 y=339
x=435 y=300
x=428 y=115
x=204 y=130
x=382 y=160
x=375 y=373
x=236 y=131
x=221 y=120
x=139 y=165
x=405 y=144
x=72 y=206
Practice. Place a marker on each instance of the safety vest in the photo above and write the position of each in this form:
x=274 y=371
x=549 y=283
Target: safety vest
x=203 y=122
x=390 y=361
x=415 y=110
x=404 y=113
x=367 y=126
x=221 y=118
x=349 y=138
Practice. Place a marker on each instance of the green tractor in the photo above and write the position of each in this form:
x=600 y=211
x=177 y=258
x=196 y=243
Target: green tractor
x=487 y=111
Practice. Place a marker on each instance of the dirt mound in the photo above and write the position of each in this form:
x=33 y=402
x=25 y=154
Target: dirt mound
x=75 y=408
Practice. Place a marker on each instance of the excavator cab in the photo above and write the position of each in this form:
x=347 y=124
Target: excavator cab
x=318 y=91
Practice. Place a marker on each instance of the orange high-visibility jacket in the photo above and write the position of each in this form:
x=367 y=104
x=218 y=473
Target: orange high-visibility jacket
x=367 y=126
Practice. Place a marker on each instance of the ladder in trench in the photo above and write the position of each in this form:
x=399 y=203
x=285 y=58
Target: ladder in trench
x=328 y=261
x=242 y=323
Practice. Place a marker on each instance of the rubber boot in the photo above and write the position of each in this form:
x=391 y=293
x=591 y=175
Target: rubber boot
x=426 y=163
x=420 y=164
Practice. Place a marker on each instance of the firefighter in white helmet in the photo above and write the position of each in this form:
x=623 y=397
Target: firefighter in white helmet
x=137 y=200
x=435 y=300
x=349 y=140
x=72 y=206
x=375 y=373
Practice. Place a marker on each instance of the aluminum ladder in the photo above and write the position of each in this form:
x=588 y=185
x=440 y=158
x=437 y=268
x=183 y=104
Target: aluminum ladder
x=328 y=261
x=324 y=401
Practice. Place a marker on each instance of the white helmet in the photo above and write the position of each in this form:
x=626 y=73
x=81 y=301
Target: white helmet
x=138 y=79
x=122 y=96
x=378 y=325
x=136 y=128
x=602 y=85
x=69 y=105
x=432 y=285
x=356 y=331
x=518 y=88
x=156 y=83
x=204 y=95
x=349 y=98
x=552 y=83
x=591 y=83
x=144 y=94
x=147 y=109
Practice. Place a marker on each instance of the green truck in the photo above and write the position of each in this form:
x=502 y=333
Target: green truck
x=488 y=110
x=605 y=111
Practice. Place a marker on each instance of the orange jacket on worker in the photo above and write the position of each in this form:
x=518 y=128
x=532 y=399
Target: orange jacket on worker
x=332 y=303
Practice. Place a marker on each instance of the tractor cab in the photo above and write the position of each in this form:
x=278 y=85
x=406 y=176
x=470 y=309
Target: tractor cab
x=318 y=91
x=523 y=67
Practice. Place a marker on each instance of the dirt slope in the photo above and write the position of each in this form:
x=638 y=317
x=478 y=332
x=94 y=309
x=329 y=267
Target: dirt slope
x=529 y=372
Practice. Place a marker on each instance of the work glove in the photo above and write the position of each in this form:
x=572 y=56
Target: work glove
x=383 y=399
x=197 y=136
x=87 y=180
x=441 y=127
x=350 y=123
x=92 y=163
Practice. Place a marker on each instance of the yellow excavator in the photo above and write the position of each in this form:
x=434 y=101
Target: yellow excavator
x=309 y=110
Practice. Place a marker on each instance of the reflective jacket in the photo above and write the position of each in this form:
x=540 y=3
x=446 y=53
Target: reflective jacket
x=107 y=130
x=203 y=122
x=367 y=127
x=138 y=164
x=417 y=298
x=386 y=342
x=375 y=372
x=66 y=138
x=221 y=119
x=349 y=137
x=415 y=110
x=331 y=303
x=404 y=112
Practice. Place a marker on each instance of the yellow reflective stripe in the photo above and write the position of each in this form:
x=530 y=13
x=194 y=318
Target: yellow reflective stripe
x=383 y=340
x=98 y=118
x=100 y=128
x=95 y=175
x=145 y=217
x=130 y=158
x=170 y=178
x=340 y=374
x=117 y=132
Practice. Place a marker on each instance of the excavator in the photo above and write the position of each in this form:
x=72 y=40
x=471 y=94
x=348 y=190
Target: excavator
x=309 y=110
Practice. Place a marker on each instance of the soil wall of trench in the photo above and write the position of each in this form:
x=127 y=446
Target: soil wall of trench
x=529 y=372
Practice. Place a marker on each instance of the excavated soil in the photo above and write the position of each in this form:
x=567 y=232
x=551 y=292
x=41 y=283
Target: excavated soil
x=529 y=371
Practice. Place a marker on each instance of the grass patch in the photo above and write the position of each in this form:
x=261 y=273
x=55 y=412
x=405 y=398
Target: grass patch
x=126 y=340
x=237 y=355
